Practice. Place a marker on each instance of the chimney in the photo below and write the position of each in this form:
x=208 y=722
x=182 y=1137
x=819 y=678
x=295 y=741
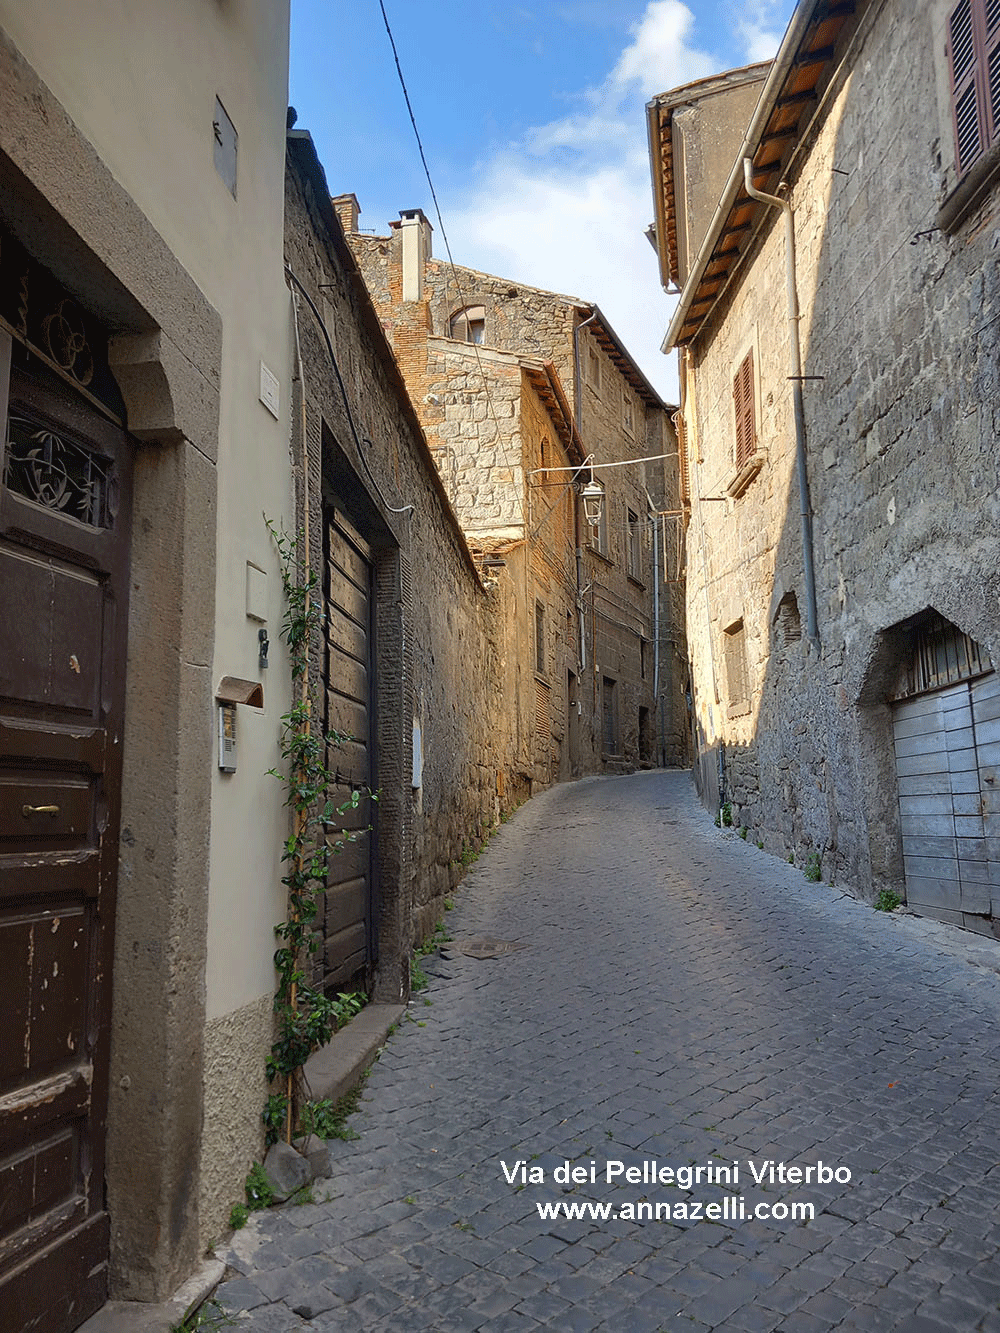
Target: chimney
x=415 y=233
x=348 y=209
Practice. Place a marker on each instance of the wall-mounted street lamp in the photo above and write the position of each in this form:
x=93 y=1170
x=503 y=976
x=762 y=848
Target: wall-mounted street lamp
x=592 y=496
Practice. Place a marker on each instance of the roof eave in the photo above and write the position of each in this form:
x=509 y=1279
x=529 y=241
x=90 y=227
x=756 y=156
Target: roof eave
x=802 y=19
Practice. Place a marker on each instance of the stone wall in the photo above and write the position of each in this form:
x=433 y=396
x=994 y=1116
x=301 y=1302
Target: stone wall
x=442 y=660
x=482 y=430
x=900 y=325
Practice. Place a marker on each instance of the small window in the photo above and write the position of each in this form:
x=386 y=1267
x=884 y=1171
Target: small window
x=632 y=561
x=540 y=638
x=787 y=622
x=737 y=674
x=744 y=414
x=609 y=716
x=628 y=410
x=974 y=61
x=468 y=325
x=938 y=653
x=599 y=531
x=594 y=368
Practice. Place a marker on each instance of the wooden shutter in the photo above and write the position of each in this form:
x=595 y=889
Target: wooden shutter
x=746 y=431
x=991 y=16
x=684 y=472
x=974 y=60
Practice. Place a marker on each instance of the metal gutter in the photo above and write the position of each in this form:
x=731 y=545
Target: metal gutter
x=784 y=61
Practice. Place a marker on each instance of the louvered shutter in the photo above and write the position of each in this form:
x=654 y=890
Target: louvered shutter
x=991 y=15
x=969 y=129
x=682 y=455
x=746 y=434
x=974 y=59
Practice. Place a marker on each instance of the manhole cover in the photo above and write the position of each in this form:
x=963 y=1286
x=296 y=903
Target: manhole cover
x=484 y=946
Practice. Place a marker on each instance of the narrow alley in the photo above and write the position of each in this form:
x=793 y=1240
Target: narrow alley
x=676 y=999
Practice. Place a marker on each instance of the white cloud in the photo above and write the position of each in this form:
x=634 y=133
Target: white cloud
x=659 y=56
x=567 y=207
x=760 y=30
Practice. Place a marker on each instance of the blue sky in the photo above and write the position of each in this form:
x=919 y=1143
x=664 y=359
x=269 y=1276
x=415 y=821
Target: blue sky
x=531 y=115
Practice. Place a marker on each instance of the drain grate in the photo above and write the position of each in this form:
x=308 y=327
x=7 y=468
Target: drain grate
x=485 y=946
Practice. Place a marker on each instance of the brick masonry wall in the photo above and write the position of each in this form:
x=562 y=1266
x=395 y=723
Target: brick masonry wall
x=902 y=322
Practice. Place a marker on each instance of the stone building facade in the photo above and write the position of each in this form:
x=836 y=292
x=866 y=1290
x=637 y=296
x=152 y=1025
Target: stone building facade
x=523 y=392
x=842 y=614
x=442 y=740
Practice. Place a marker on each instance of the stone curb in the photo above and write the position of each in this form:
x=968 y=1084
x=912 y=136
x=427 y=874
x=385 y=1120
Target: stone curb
x=140 y=1317
x=336 y=1067
x=330 y=1072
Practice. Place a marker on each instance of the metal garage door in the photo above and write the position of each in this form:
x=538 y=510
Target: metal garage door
x=348 y=919
x=948 y=763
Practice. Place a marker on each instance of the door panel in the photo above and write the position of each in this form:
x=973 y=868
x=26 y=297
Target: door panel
x=63 y=589
x=949 y=804
x=349 y=942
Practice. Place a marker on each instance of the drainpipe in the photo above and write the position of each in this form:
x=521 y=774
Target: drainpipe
x=795 y=359
x=578 y=414
x=657 y=697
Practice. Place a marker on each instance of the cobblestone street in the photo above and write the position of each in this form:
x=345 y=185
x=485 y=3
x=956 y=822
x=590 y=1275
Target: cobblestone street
x=680 y=998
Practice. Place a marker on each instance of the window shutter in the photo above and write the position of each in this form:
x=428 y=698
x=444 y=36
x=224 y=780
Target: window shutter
x=682 y=453
x=746 y=434
x=992 y=16
x=963 y=56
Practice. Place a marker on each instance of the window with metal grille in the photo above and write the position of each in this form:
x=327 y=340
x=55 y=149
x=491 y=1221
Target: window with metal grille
x=974 y=60
x=468 y=325
x=737 y=674
x=939 y=654
x=744 y=414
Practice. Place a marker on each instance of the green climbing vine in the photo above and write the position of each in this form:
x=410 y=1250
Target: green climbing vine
x=305 y=1017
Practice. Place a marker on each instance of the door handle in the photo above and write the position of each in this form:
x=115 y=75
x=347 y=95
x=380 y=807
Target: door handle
x=27 y=810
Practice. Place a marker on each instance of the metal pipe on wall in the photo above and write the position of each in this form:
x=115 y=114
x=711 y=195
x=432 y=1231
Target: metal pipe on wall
x=795 y=361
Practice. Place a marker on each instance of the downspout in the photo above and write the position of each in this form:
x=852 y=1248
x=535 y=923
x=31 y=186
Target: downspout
x=657 y=697
x=578 y=524
x=795 y=360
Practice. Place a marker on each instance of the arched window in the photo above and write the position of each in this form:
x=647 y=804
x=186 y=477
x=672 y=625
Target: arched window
x=468 y=325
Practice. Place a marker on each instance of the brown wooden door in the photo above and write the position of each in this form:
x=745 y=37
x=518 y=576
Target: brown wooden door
x=349 y=943
x=64 y=538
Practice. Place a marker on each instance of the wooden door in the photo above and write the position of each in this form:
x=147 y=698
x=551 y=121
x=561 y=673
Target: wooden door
x=349 y=937
x=947 y=755
x=64 y=540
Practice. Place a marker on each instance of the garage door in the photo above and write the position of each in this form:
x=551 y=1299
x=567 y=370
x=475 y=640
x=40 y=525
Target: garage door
x=947 y=746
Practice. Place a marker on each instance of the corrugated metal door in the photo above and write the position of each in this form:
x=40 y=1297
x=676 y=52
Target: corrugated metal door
x=64 y=543
x=349 y=938
x=948 y=763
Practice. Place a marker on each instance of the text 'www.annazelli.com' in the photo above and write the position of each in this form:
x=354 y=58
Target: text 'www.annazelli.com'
x=732 y=1209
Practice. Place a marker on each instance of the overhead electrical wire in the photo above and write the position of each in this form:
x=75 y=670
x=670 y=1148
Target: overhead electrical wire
x=447 y=244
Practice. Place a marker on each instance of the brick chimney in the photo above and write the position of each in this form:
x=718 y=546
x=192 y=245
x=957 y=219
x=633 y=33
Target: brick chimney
x=415 y=234
x=348 y=210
